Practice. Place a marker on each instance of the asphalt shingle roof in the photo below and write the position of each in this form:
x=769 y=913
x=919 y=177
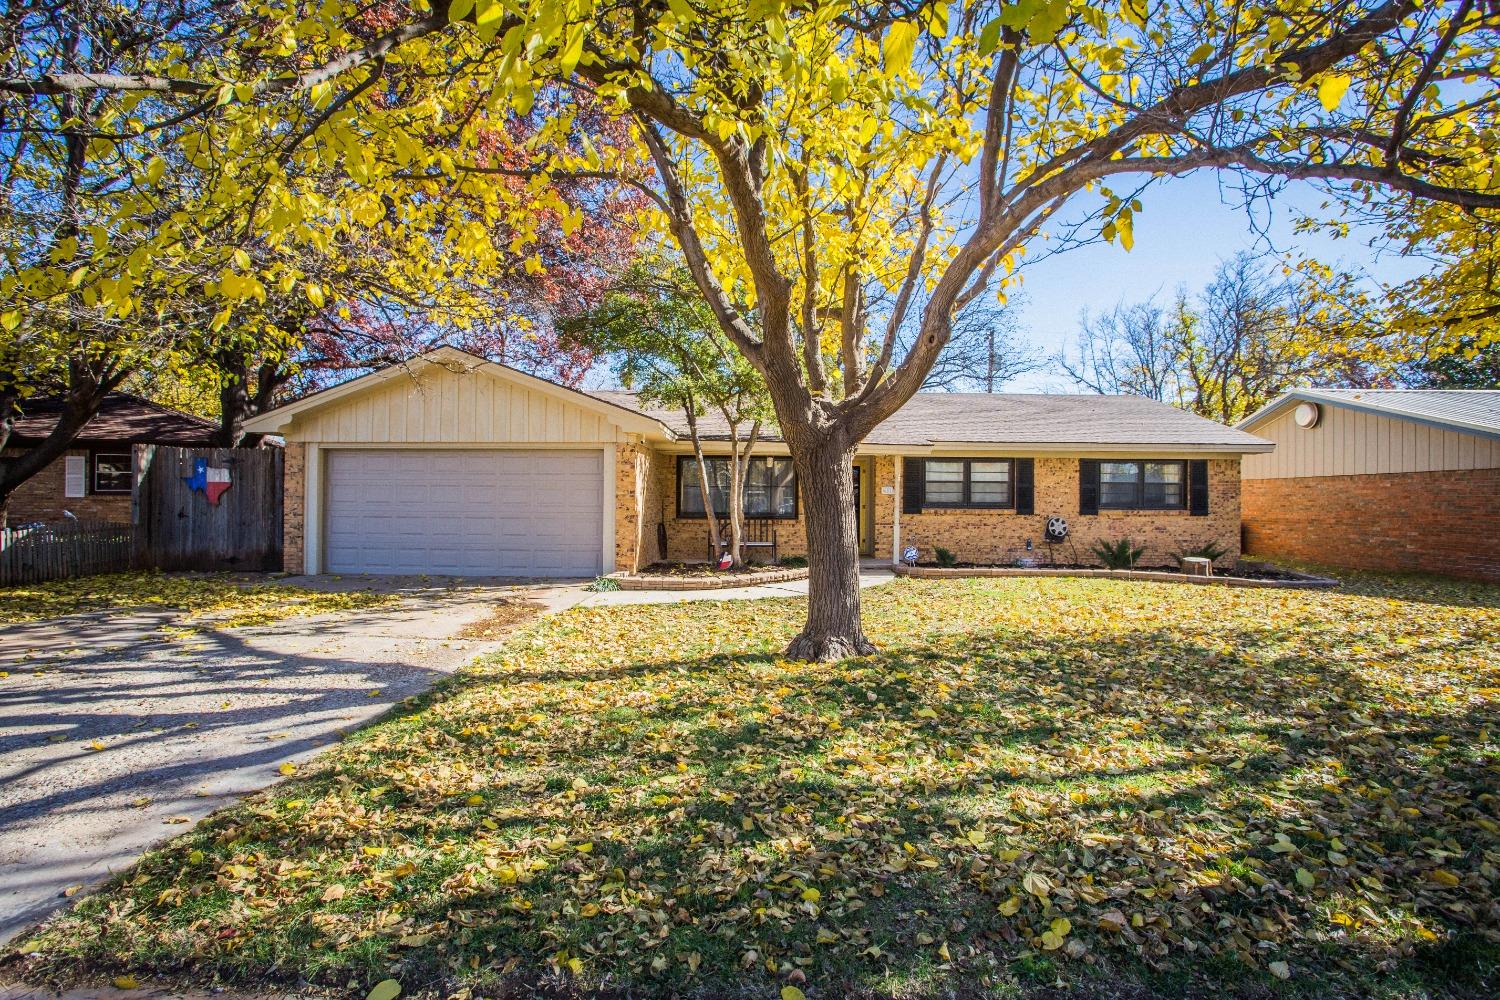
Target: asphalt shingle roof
x=122 y=418
x=1461 y=409
x=1017 y=419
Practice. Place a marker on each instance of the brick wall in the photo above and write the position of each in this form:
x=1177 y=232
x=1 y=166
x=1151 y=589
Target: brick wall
x=293 y=505
x=638 y=506
x=1437 y=522
x=41 y=498
x=999 y=536
x=687 y=537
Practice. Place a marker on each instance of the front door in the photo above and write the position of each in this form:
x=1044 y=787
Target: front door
x=862 y=511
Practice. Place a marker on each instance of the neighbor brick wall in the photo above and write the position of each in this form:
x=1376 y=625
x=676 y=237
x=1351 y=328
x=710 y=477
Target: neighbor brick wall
x=293 y=505
x=41 y=498
x=999 y=536
x=1436 y=522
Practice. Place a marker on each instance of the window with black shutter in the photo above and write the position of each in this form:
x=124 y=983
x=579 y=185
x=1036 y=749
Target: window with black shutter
x=958 y=483
x=1132 y=484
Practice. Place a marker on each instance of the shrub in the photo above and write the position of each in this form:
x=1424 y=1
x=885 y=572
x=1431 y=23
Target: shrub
x=1210 y=551
x=945 y=557
x=603 y=584
x=1119 y=554
x=794 y=562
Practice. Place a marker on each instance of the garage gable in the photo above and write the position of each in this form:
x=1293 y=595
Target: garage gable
x=450 y=397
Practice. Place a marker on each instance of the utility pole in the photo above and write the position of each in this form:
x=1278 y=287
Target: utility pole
x=989 y=379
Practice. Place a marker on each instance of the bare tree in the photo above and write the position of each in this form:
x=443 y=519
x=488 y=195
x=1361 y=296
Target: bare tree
x=1129 y=350
x=986 y=351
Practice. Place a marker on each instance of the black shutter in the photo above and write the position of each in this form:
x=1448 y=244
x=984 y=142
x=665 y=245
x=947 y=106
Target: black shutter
x=1025 y=486
x=1088 y=486
x=913 y=485
x=1198 y=488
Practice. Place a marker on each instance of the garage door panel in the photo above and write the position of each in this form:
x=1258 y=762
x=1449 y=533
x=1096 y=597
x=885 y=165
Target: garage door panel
x=490 y=513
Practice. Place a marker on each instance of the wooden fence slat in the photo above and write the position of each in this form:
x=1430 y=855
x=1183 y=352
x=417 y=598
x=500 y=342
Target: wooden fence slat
x=35 y=553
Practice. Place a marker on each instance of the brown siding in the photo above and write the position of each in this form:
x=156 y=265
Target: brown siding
x=1437 y=522
x=41 y=498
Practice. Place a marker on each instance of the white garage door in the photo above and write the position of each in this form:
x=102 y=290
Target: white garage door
x=468 y=513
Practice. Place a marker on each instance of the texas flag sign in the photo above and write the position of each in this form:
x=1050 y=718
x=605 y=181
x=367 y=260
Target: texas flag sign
x=210 y=482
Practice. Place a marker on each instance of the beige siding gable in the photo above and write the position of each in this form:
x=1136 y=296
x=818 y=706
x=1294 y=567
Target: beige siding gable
x=430 y=404
x=1354 y=443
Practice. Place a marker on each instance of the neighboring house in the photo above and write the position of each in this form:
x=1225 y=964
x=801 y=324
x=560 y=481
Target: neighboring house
x=452 y=464
x=1384 y=479
x=94 y=479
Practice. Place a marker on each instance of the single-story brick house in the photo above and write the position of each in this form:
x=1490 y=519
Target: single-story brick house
x=94 y=480
x=1383 y=479
x=453 y=464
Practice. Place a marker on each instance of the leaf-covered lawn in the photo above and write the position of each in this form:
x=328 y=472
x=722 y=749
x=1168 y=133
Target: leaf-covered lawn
x=1097 y=781
x=197 y=595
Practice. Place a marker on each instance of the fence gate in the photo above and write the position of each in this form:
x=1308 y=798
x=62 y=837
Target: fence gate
x=191 y=520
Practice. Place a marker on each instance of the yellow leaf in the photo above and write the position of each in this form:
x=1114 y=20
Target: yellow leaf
x=575 y=966
x=1331 y=91
x=899 y=44
x=1443 y=877
x=476 y=800
x=792 y=993
x=386 y=989
x=288 y=769
x=1010 y=907
x=126 y=982
x=1061 y=926
x=811 y=895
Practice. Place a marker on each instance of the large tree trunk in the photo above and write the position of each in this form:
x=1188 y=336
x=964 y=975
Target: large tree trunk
x=833 y=629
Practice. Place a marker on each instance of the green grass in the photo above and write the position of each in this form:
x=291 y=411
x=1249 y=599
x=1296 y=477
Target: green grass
x=1124 y=789
x=233 y=601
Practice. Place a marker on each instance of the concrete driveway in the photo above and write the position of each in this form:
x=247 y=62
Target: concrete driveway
x=114 y=735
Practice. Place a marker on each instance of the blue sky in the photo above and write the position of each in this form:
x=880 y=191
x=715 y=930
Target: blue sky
x=1188 y=225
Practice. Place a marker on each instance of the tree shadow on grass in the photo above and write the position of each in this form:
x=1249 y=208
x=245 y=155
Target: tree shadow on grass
x=1196 y=802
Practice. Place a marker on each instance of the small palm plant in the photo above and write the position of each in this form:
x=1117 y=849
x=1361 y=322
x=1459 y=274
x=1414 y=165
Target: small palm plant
x=1210 y=551
x=1120 y=554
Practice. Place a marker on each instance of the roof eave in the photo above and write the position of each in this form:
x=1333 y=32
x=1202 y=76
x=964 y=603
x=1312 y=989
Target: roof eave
x=277 y=420
x=1359 y=406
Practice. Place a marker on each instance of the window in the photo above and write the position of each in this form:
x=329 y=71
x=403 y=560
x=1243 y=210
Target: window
x=112 y=472
x=1142 y=485
x=770 y=487
x=967 y=482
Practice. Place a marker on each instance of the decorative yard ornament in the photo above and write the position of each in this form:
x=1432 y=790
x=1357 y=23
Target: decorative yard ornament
x=211 y=482
x=909 y=555
x=726 y=561
x=1057 y=529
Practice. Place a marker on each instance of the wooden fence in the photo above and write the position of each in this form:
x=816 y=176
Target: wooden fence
x=33 y=553
x=176 y=526
x=182 y=529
